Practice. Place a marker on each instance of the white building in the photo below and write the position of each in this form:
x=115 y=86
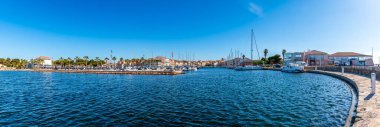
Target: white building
x=163 y=61
x=2 y=66
x=46 y=61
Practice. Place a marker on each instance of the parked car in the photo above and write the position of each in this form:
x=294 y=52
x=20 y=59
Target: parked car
x=277 y=66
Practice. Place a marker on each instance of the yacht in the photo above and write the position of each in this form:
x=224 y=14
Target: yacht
x=298 y=67
x=189 y=68
x=247 y=68
x=193 y=68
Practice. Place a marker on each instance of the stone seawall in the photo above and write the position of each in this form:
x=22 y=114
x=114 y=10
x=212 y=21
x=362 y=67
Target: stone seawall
x=360 y=70
x=368 y=105
x=355 y=94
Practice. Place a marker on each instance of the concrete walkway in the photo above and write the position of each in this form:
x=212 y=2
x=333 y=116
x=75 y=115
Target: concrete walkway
x=368 y=111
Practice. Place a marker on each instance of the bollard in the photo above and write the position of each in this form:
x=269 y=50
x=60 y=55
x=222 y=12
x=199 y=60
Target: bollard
x=342 y=70
x=373 y=83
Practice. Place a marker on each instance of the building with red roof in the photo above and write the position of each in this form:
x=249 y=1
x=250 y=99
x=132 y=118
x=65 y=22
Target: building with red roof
x=350 y=59
x=316 y=58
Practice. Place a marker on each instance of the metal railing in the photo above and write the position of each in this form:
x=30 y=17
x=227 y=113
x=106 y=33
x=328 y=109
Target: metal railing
x=359 y=70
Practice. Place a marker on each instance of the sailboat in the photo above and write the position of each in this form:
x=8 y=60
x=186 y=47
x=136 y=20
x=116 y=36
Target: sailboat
x=250 y=67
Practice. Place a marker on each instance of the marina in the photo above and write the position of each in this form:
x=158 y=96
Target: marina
x=142 y=63
x=143 y=72
x=192 y=99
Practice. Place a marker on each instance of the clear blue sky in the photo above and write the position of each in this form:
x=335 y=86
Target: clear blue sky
x=208 y=29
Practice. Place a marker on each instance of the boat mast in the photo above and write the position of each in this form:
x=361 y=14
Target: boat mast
x=257 y=49
x=251 y=44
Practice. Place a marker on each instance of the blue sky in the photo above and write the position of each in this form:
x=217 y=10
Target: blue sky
x=206 y=29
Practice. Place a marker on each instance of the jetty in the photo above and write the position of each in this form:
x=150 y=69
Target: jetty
x=137 y=72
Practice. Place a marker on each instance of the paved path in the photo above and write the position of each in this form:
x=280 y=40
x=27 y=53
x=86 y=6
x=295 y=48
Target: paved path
x=368 y=111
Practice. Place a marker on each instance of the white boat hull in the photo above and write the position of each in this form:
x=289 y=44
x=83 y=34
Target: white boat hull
x=247 y=68
x=293 y=69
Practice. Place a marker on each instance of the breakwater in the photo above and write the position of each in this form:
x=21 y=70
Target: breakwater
x=115 y=72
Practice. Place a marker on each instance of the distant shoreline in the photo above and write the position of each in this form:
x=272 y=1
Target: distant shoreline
x=114 y=72
x=15 y=69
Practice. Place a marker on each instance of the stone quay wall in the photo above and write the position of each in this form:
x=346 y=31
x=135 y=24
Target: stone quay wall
x=359 y=70
x=368 y=105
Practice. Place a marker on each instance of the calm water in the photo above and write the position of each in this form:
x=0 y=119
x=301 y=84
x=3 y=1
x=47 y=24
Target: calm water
x=208 y=97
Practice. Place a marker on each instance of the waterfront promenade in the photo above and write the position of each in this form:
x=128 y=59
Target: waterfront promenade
x=368 y=109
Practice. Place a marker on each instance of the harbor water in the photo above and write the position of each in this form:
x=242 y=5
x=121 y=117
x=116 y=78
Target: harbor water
x=207 y=97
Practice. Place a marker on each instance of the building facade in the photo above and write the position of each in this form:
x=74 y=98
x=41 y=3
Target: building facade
x=316 y=58
x=293 y=57
x=350 y=59
x=162 y=61
x=45 y=61
x=238 y=62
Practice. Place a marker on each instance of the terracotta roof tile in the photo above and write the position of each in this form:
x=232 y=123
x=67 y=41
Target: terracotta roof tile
x=316 y=52
x=44 y=58
x=348 y=54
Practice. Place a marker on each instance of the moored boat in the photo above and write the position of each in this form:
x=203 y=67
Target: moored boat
x=294 y=68
x=247 y=68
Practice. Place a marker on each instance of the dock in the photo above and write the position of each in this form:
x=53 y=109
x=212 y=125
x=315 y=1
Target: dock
x=114 y=72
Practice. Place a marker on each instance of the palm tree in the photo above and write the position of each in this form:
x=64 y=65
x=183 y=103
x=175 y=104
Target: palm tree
x=114 y=59
x=243 y=60
x=69 y=59
x=76 y=61
x=142 y=61
x=106 y=59
x=97 y=61
x=23 y=63
x=127 y=61
x=61 y=62
x=283 y=54
x=265 y=53
x=85 y=58
x=38 y=62
x=122 y=61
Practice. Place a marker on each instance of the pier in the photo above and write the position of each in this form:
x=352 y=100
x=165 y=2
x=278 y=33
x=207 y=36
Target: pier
x=114 y=72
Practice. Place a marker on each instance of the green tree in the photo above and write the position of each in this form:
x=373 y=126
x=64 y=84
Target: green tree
x=77 y=63
x=16 y=63
x=97 y=61
x=265 y=53
x=275 y=59
x=69 y=61
x=61 y=62
x=86 y=59
x=283 y=53
x=107 y=61
x=38 y=62
x=127 y=61
x=114 y=59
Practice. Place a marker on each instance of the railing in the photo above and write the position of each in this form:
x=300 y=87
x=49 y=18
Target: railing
x=360 y=70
